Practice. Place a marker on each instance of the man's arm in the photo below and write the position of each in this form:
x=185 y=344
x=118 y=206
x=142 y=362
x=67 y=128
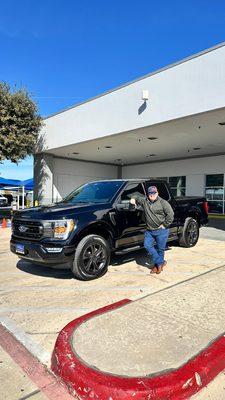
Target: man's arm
x=137 y=200
x=169 y=214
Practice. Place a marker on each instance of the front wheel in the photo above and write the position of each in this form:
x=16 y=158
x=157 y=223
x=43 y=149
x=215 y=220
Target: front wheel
x=190 y=234
x=92 y=258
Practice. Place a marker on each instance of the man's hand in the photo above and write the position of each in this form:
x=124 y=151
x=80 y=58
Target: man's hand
x=162 y=226
x=133 y=201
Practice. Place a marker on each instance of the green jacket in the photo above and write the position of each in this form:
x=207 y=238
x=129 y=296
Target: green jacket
x=158 y=212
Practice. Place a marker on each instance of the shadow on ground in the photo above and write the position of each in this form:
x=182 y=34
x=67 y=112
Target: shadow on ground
x=217 y=223
x=140 y=257
x=40 y=270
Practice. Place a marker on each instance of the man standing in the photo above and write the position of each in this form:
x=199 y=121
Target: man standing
x=159 y=215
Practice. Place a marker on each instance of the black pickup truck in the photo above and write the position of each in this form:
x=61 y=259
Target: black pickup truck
x=96 y=219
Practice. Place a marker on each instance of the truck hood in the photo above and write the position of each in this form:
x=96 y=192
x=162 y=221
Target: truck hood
x=57 y=211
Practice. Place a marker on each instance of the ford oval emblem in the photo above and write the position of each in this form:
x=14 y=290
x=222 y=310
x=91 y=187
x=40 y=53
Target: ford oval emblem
x=22 y=228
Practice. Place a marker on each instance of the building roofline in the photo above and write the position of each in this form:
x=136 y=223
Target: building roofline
x=199 y=54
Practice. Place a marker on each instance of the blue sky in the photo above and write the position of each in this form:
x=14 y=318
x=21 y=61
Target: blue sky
x=64 y=52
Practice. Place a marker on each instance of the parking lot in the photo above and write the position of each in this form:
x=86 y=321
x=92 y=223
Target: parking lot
x=38 y=301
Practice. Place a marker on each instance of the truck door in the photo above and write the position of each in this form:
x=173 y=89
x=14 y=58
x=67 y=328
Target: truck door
x=130 y=223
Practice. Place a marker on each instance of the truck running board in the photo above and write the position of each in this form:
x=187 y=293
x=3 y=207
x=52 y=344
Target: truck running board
x=128 y=249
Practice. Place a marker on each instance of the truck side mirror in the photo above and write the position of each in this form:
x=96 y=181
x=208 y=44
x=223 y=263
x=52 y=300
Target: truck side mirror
x=125 y=205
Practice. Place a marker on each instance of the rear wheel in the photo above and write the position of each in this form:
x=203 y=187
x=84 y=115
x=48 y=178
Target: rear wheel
x=190 y=234
x=92 y=258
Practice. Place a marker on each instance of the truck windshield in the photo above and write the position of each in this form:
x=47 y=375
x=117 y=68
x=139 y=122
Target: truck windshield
x=94 y=192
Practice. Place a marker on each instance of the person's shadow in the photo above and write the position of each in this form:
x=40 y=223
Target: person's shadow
x=141 y=257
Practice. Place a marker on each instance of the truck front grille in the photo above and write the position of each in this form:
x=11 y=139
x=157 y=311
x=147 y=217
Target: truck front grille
x=27 y=229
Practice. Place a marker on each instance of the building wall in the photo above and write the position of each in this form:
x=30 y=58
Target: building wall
x=194 y=169
x=188 y=88
x=56 y=177
x=69 y=174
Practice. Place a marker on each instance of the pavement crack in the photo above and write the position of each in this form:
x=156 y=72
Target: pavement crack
x=28 y=396
x=42 y=333
x=182 y=282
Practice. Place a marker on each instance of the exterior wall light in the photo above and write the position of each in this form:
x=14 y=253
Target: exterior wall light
x=145 y=95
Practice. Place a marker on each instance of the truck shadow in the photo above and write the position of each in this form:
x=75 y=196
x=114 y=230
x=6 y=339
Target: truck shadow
x=35 y=269
x=140 y=257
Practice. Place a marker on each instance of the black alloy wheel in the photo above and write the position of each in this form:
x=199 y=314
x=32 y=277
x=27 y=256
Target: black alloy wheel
x=92 y=257
x=190 y=234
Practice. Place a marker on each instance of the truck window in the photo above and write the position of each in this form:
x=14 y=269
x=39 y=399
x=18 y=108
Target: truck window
x=131 y=189
x=162 y=189
x=94 y=192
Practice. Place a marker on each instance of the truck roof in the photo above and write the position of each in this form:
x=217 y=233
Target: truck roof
x=130 y=180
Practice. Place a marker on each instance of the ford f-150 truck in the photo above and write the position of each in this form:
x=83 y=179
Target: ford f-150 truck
x=94 y=221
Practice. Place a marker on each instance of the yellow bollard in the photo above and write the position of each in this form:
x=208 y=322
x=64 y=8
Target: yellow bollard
x=36 y=203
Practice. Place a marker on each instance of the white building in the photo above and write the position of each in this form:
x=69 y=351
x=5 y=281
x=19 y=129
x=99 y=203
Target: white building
x=177 y=133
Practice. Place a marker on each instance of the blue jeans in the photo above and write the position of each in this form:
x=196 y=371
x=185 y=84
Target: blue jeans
x=155 y=243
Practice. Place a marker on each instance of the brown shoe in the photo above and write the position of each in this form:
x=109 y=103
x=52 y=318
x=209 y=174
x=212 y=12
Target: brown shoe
x=154 y=270
x=159 y=269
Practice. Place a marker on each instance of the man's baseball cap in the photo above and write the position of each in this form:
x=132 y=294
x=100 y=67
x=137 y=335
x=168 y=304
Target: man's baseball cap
x=152 y=190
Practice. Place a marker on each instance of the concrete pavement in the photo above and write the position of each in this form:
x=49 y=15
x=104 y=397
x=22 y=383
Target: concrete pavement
x=215 y=229
x=159 y=332
x=40 y=301
x=171 y=341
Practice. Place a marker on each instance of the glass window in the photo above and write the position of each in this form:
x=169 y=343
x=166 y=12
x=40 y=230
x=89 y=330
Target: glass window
x=94 y=192
x=177 y=185
x=178 y=192
x=214 y=180
x=177 y=181
x=131 y=189
x=216 y=207
x=214 y=193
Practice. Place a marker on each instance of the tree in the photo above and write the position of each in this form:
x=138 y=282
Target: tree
x=19 y=124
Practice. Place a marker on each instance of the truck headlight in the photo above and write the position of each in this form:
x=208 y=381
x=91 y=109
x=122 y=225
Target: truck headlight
x=62 y=228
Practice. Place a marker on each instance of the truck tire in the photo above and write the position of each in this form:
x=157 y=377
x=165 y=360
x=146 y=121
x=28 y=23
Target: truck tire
x=190 y=234
x=92 y=258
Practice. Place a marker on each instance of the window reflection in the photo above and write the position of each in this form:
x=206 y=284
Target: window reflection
x=214 y=193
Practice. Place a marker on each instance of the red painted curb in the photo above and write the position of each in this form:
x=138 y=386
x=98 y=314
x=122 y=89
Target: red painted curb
x=179 y=384
x=52 y=387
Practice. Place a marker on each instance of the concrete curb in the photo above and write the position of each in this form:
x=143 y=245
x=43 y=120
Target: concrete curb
x=174 y=384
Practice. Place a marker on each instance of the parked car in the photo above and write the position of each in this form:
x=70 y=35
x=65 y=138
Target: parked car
x=3 y=201
x=9 y=199
x=94 y=221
